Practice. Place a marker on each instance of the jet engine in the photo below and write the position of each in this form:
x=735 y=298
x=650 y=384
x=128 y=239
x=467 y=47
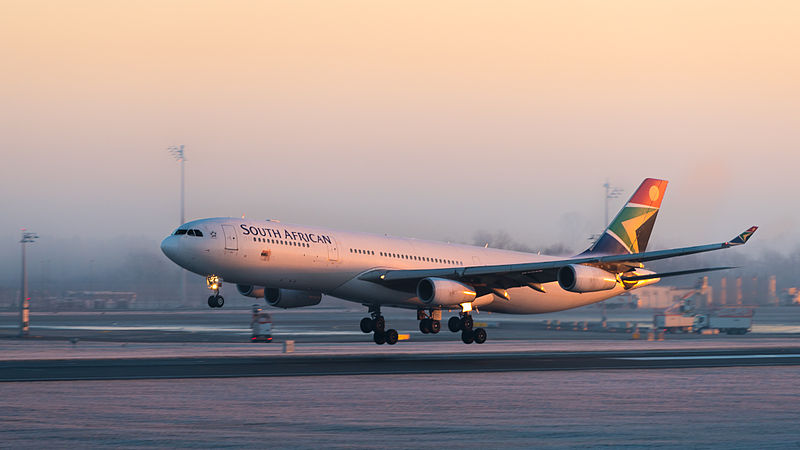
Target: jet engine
x=580 y=278
x=290 y=298
x=250 y=291
x=444 y=292
x=639 y=283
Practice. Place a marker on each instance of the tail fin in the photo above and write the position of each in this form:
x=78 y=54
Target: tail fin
x=630 y=230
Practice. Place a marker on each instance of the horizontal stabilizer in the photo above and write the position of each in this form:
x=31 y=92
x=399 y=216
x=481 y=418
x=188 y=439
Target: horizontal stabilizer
x=672 y=274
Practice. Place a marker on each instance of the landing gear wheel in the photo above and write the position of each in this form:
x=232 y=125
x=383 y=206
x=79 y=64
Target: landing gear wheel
x=425 y=326
x=454 y=324
x=366 y=325
x=466 y=322
x=479 y=335
x=391 y=336
x=212 y=303
x=219 y=301
x=467 y=336
x=435 y=326
x=379 y=324
x=379 y=337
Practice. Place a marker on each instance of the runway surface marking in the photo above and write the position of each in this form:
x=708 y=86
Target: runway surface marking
x=382 y=364
x=189 y=329
x=672 y=358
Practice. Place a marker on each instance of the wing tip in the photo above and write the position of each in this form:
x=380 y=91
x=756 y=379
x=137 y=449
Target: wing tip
x=744 y=237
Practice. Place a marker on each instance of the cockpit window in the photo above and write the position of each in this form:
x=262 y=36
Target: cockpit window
x=198 y=233
x=180 y=232
x=190 y=233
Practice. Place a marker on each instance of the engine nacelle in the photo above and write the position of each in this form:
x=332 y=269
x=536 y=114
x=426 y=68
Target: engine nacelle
x=290 y=298
x=444 y=292
x=250 y=291
x=639 y=283
x=580 y=278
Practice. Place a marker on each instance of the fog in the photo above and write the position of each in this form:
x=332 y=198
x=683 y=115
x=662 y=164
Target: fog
x=462 y=122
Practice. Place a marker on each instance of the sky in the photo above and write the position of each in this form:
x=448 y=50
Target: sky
x=426 y=119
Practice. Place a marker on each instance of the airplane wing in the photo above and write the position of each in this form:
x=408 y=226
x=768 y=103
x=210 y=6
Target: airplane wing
x=505 y=276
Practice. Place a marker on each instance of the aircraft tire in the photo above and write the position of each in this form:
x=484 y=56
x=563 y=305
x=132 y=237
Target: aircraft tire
x=435 y=326
x=379 y=337
x=479 y=334
x=211 y=302
x=379 y=324
x=454 y=324
x=366 y=325
x=425 y=326
x=391 y=336
x=467 y=337
x=219 y=301
x=466 y=322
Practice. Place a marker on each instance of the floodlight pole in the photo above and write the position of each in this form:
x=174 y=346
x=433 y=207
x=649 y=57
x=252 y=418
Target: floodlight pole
x=611 y=192
x=177 y=152
x=183 y=190
x=24 y=300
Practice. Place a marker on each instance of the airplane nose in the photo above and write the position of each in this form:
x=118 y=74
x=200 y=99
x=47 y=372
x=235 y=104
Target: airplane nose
x=170 y=247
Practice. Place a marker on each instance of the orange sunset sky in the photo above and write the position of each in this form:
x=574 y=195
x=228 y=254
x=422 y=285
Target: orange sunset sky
x=419 y=118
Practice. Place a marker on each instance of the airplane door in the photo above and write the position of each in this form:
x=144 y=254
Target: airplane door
x=230 y=237
x=333 y=251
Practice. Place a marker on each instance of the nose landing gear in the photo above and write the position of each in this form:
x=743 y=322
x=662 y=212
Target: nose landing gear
x=213 y=283
x=377 y=324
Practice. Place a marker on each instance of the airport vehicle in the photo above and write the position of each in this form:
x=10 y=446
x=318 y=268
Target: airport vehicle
x=261 y=325
x=292 y=266
x=674 y=323
x=730 y=321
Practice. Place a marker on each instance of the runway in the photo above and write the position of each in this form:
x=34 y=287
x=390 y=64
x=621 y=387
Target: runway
x=384 y=364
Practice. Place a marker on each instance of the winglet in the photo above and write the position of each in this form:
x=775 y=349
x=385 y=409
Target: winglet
x=742 y=238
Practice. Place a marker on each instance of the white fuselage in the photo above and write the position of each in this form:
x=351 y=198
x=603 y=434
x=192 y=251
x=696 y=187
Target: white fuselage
x=288 y=256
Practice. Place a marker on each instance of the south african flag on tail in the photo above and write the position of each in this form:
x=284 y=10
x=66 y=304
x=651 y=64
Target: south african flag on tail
x=630 y=230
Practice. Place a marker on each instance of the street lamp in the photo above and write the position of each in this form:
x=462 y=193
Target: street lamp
x=611 y=192
x=24 y=300
x=177 y=152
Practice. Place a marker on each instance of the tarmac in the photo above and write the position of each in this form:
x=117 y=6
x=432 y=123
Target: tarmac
x=211 y=344
x=193 y=379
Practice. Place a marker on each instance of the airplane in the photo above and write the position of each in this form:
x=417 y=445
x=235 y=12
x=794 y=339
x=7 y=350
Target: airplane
x=292 y=266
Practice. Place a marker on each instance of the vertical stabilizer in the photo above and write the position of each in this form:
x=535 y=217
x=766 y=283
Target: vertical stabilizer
x=630 y=230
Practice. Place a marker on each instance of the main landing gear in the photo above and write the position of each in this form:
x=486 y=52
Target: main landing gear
x=377 y=324
x=429 y=322
x=464 y=324
x=214 y=301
